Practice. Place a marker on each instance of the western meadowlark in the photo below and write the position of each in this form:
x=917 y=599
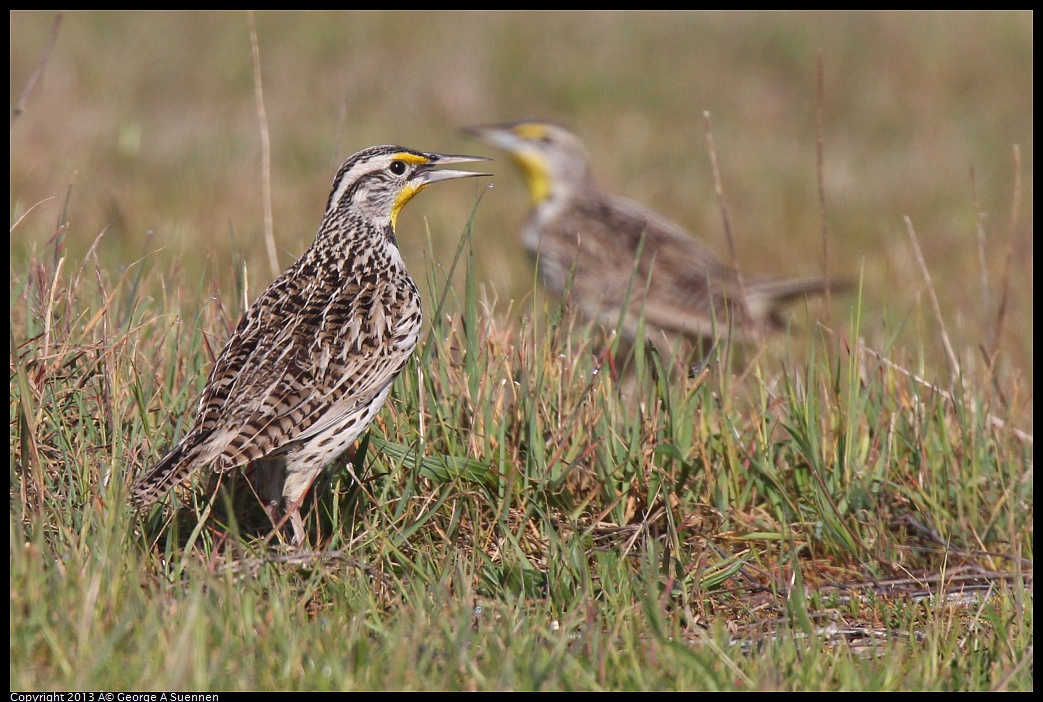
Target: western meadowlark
x=311 y=362
x=587 y=241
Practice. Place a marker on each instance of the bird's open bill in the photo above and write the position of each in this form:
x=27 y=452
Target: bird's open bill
x=428 y=174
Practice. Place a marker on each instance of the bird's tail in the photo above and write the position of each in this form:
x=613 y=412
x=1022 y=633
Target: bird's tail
x=172 y=469
x=765 y=298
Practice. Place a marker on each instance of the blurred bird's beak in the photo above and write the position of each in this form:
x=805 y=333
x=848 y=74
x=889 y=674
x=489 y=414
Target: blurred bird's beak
x=494 y=135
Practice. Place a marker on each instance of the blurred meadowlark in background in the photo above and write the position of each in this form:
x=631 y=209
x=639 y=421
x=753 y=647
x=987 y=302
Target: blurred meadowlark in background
x=312 y=361
x=614 y=256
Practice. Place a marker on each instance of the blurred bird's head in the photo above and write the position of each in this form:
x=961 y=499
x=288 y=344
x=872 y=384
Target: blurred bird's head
x=552 y=159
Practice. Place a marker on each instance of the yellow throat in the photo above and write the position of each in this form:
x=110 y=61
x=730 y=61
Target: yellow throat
x=409 y=192
x=534 y=167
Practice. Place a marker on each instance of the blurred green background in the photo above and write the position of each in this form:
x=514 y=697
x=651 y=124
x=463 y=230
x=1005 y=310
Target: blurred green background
x=147 y=122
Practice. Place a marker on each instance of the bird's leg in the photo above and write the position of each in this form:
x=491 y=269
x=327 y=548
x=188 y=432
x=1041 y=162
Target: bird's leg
x=296 y=486
x=300 y=536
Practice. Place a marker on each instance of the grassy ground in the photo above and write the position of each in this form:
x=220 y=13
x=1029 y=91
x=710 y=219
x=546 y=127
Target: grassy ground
x=850 y=507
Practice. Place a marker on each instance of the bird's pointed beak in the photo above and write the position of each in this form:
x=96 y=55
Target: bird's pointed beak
x=427 y=174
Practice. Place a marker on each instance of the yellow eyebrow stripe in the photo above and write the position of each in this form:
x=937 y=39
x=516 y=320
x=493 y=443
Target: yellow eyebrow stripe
x=410 y=158
x=531 y=131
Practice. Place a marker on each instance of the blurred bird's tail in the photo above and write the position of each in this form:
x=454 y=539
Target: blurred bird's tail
x=766 y=298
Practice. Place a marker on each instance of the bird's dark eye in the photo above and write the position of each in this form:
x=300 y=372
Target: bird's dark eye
x=397 y=167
